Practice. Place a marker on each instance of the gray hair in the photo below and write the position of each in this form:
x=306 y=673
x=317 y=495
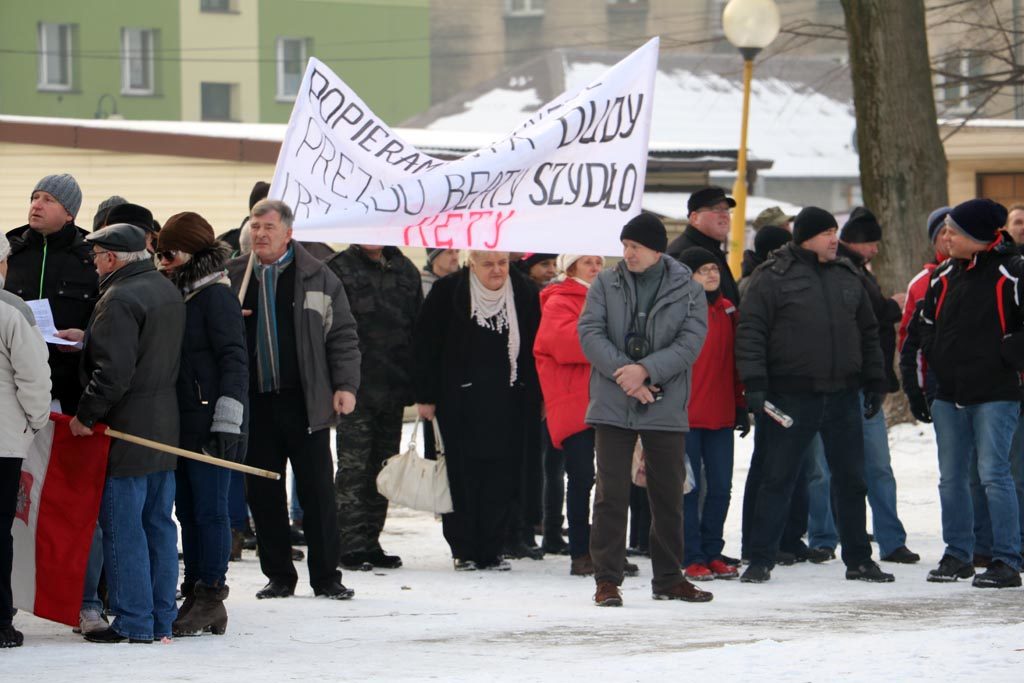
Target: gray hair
x=245 y=241
x=265 y=206
x=131 y=256
x=474 y=255
x=5 y=248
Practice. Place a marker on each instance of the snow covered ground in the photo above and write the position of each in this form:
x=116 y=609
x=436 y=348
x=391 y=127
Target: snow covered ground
x=425 y=622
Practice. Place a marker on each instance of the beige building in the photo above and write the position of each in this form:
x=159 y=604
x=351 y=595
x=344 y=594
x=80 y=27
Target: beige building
x=986 y=159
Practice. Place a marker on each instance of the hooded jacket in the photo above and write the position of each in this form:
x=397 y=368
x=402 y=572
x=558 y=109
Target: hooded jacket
x=807 y=326
x=563 y=370
x=676 y=327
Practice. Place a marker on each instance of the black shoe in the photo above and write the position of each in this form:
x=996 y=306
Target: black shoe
x=819 y=555
x=248 y=539
x=902 y=555
x=630 y=569
x=296 y=535
x=756 y=573
x=870 y=572
x=109 y=635
x=497 y=565
x=356 y=562
x=11 y=637
x=519 y=551
x=731 y=561
x=950 y=569
x=555 y=545
x=464 y=565
x=998 y=575
x=637 y=551
x=379 y=559
x=788 y=559
x=334 y=590
x=275 y=589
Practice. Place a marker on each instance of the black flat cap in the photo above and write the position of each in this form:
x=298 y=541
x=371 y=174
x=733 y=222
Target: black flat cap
x=119 y=237
x=133 y=214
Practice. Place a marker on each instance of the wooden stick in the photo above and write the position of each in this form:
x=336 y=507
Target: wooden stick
x=248 y=276
x=201 y=457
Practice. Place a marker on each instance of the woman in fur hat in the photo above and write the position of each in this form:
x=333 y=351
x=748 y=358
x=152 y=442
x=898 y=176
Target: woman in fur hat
x=212 y=384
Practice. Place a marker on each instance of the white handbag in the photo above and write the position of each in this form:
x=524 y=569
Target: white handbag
x=414 y=482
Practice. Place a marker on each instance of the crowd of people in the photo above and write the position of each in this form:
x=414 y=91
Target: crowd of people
x=549 y=378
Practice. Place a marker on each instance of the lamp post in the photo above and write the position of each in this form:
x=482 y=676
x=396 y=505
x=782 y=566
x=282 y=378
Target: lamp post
x=750 y=25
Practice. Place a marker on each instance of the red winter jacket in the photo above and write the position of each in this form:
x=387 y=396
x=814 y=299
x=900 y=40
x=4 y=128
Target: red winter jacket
x=717 y=390
x=561 y=366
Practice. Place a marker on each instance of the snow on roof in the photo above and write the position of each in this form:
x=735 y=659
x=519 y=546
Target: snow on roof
x=673 y=205
x=801 y=112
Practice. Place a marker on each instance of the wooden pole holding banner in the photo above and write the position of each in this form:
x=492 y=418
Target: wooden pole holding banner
x=201 y=457
x=245 y=278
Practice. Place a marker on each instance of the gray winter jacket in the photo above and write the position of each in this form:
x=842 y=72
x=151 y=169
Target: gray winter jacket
x=676 y=327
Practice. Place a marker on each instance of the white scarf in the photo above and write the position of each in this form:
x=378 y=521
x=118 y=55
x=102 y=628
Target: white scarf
x=496 y=310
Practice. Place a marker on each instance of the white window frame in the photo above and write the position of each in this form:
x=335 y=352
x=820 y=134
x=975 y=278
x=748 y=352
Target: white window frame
x=961 y=104
x=530 y=8
x=126 y=61
x=46 y=53
x=232 y=8
x=283 y=96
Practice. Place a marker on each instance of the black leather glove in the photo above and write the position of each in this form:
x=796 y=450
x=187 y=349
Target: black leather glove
x=225 y=446
x=742 y=421
x=872 y=404
x=755 y=401
x=919 y=405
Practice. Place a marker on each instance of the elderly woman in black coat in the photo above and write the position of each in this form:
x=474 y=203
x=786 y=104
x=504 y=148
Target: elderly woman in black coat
x=473 y=351
x=212 y=386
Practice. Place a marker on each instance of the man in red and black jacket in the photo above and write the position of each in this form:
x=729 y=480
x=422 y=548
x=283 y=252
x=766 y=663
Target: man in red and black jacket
x=972 y=335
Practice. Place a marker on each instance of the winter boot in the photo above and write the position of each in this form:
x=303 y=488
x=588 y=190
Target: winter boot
x=207 y=612
x=237 y=543
x=10 y=637
x=188 y=593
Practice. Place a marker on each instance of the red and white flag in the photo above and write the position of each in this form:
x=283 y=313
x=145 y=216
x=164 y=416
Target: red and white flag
x=58 y=503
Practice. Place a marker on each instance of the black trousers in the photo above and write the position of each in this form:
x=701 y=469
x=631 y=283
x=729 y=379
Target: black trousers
x=666 y=470
x=279 y=434
x=10 y=478
x=483 y=495
x=838 y=417
x=796 y=520
x=554 y=485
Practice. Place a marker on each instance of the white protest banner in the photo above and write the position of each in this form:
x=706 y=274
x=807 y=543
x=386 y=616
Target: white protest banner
x=564 y=181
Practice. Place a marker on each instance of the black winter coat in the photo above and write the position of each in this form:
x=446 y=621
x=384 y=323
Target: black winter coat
x=385 y=298
x=887 y=313
x=692 y=237
x=807 y=326
x=63 y=264
x=476 y=421
x=214 y=361
x=130 y=366
x=972 y=326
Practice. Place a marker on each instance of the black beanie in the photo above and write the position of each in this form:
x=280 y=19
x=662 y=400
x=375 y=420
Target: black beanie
x=861 y=227
x=648 y=230
x=812 y=221
x=259 y=191
x=979 y=219
x=133 y=214
x=769 y=238
x=697 y=257
x=530 y=260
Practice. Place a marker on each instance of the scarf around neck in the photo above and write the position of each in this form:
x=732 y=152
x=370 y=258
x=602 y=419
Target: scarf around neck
x=268 y=357
x=495 y=310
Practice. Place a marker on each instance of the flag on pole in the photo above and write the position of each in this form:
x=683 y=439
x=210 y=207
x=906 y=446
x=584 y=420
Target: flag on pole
x=58 y=502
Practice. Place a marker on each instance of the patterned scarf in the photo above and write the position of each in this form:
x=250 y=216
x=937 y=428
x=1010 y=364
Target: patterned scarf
x=496 y=310
x=268 y=358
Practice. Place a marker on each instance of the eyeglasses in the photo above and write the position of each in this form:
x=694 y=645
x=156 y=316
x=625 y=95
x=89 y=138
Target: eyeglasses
x=707 y=269
x=167 y=255
x=94 y=254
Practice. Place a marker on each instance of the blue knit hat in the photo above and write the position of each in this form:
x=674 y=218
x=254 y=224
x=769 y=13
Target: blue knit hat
x=936 y=219
x=64 y=189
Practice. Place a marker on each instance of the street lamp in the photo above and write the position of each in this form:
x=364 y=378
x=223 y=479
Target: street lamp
x=750 y=25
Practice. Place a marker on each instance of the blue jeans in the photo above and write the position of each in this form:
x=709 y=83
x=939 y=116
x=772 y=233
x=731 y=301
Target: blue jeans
x=90 y=594
x=238 y=510
x=140 y=553
x=578 y=451
x=982 y=521
x=988 y=428
x=821 y=524
x=202 y=508
x=295 y=507
x=711 y=449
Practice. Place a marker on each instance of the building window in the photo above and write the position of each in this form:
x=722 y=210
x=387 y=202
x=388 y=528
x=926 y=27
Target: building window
x=137 y=61
x=958 y=81
x=291 y=65
x=219 y=101
x=223 y=6
x=55 y=56
x=524 y=8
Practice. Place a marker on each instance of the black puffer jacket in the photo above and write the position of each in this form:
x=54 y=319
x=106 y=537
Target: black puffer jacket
x=807 y=326
x=214 y=361
x=887 y=313
x=692 y=237
x=57 y=267
x=130 y=366
x=972 y=330
x=385 y=298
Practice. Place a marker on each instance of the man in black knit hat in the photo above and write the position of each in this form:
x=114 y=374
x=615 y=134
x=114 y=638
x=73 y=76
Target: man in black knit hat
x=808 y=342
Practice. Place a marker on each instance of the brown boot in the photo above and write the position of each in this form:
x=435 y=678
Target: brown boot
x=237 y=540
x=607 y=595
x=685 y=591
x=207 y=613
x=582 y=566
